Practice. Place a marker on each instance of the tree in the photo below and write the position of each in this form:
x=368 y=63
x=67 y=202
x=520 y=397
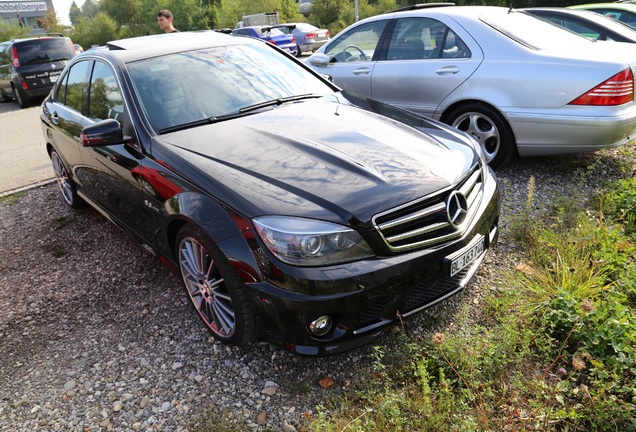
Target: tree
x=10 y=30
x=51 y=25
x=74 y=13
x=90 y=9
x=128 y=14
x=96 y=31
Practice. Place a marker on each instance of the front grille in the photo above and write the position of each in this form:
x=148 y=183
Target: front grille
x=426 y=221
x=429 y=291
x=425 y=294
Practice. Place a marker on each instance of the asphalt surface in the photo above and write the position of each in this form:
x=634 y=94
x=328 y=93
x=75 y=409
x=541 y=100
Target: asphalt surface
x=23 y=159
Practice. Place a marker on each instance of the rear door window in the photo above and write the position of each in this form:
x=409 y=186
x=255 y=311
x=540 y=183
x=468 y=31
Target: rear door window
x=105 y=99
x=72 y=90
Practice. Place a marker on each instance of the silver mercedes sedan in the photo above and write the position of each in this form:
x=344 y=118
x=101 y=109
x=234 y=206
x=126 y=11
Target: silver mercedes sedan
x=518 y=84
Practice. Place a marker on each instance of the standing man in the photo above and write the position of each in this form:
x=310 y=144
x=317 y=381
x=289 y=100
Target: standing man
x=164 y=18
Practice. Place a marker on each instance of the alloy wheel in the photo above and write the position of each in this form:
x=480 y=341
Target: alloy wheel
x=63 y=181
x=206 y=288
x=482 y=129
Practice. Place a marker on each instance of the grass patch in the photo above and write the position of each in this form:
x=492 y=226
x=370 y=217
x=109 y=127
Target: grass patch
x=62 y=221
x=12 y=199
x=555 y=351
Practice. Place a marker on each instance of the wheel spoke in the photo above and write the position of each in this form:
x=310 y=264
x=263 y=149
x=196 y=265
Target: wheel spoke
x=224 y=316
x=218 y=291
x=191 y=260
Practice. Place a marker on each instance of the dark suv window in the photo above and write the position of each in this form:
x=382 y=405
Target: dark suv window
x=44 y=50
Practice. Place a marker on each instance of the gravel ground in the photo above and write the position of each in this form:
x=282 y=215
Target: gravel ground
x=97 y=335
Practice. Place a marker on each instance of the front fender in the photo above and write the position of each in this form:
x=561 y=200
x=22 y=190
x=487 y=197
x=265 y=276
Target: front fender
x=225 y=227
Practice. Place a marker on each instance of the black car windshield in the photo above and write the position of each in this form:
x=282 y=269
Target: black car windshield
x=218 y=83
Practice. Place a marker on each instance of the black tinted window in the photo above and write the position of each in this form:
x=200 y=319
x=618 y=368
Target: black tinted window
x=44 y=50
x=105 y=98
x=71 y=91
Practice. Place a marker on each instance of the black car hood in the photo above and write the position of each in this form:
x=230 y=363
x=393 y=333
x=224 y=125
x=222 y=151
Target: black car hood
x=320 y=158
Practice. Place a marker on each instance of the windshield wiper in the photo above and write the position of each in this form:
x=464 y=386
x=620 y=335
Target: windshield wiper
x=201 y=122
x=278 y=101
x=241 y=113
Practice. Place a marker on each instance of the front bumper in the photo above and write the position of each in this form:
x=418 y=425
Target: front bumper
x=362 y=298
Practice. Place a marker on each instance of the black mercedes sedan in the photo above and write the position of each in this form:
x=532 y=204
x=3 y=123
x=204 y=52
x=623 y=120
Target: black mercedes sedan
x=294 y=212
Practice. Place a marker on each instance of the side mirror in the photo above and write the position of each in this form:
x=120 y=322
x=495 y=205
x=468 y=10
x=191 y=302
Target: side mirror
x=103 y=133
x=319 y=60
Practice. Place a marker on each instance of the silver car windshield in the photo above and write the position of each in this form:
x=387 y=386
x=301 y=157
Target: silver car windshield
x=225 y=82
x=531 y=31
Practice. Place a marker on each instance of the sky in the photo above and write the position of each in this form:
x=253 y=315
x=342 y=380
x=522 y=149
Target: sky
x=62 y=7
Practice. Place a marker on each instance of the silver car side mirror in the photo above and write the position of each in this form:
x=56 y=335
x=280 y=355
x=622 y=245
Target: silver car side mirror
x=319 y=60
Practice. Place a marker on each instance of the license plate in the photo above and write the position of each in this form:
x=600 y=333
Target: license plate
x=463 y=258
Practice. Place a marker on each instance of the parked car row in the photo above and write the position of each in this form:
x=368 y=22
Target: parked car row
x=294 y=38
x=311 y=211
x=270 y=34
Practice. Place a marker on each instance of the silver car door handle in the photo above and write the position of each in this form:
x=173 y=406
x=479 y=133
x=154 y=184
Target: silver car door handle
x=446 y=70
x=361 y=71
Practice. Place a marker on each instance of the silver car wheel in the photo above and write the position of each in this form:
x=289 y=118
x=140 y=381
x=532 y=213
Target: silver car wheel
x=483 y=130
x=206 y=288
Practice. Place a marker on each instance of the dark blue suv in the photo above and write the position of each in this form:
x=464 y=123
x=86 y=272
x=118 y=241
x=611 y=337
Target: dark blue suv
x=30 y=65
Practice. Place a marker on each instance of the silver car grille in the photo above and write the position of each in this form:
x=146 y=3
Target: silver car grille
x=435 y=219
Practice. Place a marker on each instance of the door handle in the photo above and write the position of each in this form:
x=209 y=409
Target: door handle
x=447 y=70
x=361 y=71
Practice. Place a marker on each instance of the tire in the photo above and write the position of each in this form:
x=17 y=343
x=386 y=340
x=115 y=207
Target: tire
x=490 y=130
x=298 y=52
x=65 y=183
x=21 y=98
x=214 y=288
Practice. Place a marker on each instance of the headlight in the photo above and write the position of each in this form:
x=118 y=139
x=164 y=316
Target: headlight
x=308 y=242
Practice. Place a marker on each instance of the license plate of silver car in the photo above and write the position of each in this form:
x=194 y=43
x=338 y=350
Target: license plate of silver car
x=464 y=257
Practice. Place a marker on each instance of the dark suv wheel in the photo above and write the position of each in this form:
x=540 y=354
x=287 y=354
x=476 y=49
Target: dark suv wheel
x=21 y=98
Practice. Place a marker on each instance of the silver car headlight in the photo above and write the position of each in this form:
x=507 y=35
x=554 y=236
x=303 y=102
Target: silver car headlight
x=308 y=242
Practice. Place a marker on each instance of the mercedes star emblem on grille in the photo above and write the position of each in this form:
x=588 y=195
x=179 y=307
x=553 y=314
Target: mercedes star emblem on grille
x=456 y=208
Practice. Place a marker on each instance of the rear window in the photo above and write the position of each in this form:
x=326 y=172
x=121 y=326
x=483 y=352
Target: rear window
x=531 y=31
x=44 y=50
x=269 y=31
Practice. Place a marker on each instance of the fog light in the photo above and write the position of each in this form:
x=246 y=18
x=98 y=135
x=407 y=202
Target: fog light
x=321 y=325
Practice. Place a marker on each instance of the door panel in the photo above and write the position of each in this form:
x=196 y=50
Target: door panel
x=424 y=63
x=352 y=57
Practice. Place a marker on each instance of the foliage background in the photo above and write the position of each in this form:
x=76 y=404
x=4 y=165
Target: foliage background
x=99 y=21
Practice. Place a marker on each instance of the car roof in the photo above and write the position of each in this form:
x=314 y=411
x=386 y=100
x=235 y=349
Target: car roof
x=31 y=37
x=592 y=18
x=137 y=48
x=585 y=13
x=620 y=6
x=465 y=11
